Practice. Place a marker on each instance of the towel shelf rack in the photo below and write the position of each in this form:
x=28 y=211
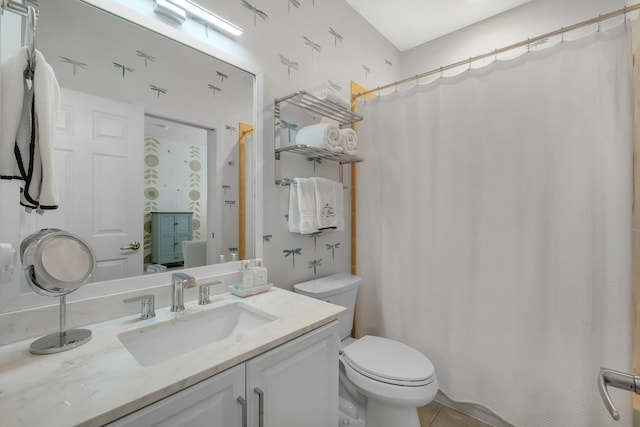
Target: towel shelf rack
x=320 y=107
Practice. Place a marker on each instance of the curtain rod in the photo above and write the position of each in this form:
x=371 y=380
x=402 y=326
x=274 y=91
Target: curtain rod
x=528 y=42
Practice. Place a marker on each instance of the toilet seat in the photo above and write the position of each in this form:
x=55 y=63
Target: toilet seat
x=389 y=361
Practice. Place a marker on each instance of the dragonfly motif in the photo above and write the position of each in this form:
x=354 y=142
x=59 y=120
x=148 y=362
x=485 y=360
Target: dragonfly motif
x=289 y=64
x=256 y=12
x=315 y=264
x=289 y=127
x=293 y=253
x=335 y=86
x=367 y=70
x=315 y=236
x=314 y=46
x=124 y=68
x=74 y=63
x=267 y=237
x=215 y=89
x=159 y=90
x=225 y=188
x=286 y=217
x=332 y=248
x=389 y=64
x=222 y=75
x=147 y=58
x=296 y=3
x=336 y=36
x=230 y=203
x=231 y=129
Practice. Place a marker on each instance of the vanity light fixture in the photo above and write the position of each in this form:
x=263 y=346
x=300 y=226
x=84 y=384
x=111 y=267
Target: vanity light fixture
x=169 y=10
x=198 y=11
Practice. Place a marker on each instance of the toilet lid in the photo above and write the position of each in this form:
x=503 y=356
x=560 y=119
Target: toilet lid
x=389 y=361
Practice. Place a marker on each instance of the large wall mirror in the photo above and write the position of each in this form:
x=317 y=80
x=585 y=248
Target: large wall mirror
x=149 y=143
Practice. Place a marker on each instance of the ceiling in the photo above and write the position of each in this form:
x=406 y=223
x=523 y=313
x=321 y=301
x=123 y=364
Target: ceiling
x=409 y=23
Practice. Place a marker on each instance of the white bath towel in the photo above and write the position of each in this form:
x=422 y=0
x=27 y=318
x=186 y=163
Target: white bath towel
x=29 y=110
x=349 y=141
x=321 y=135
x=329 y=203
x=302 y=207
x=330 y=94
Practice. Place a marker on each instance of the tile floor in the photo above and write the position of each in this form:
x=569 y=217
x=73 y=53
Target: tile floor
x=437 y=415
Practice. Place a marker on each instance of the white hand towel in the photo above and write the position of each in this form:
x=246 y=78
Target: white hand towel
x=29 y=114
x=321 y=135
x=47 y=105
x=294 y=212
x=349 y=141
x=11 y=106
x=307 y=205
x=330 y=94
x=329 y=203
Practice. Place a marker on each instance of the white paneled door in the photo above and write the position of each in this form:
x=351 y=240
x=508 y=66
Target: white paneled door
x=102 y=142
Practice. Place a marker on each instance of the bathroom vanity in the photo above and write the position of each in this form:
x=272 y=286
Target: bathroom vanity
x=280 y=368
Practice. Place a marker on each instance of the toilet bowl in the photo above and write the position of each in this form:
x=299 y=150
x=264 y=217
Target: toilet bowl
x=382 y=381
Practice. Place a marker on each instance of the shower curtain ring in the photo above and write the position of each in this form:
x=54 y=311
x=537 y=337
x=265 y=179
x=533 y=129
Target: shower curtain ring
x=469 y=63
x=599 y=20
x=562 y=35
x=495 y=55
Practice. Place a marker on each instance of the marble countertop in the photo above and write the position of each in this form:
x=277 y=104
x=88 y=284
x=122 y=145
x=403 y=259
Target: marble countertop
x=100 y=381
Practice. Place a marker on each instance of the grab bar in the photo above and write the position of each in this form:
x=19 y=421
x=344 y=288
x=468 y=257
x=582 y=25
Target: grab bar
x=618 y=380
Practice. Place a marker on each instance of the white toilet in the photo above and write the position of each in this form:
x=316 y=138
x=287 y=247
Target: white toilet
x=382 y=381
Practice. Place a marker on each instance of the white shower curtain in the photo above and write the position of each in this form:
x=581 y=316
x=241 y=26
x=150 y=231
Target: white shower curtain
x=494 y=229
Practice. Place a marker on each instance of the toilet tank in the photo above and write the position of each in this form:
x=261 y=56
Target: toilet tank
x=340 y=289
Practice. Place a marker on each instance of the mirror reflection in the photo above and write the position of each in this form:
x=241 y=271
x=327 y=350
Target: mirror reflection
x=147 y=147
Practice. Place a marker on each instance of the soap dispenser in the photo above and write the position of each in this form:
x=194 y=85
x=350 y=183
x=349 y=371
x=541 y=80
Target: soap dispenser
x=259 y=273
x=247 y=276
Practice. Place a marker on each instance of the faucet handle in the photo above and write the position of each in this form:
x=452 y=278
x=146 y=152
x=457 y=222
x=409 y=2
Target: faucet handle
x=203 y=298
x=147 y=311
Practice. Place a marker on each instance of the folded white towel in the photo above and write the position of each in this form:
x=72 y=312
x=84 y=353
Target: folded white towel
x=307 y=211
x=349 y=141
x=330 y=94
x=321 y=135
x=329 y=203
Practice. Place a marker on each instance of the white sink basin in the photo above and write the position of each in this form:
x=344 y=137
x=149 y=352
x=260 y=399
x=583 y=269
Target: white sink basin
x=186 y=332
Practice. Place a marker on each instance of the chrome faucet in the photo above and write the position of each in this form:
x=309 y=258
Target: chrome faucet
x=179 y=282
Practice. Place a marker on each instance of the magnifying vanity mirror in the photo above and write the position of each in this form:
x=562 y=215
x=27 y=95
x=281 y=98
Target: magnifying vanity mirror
x=148 y=127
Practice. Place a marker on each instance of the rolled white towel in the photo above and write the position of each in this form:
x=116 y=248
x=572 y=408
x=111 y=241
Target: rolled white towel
x=330 y=94
x=321 y=135
x=349 y=141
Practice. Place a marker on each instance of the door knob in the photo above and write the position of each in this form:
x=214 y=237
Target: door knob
x=133 y=246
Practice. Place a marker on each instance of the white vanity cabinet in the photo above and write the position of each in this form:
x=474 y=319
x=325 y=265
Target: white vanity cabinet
x=294 y=384
x=212 y=402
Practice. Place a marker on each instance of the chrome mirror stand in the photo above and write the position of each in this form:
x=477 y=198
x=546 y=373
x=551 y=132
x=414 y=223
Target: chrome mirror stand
x=63 y=340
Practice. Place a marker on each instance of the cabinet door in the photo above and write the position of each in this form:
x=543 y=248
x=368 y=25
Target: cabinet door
x=212 y=403
x=298 y=381
x=168 y=223
x=183 y=223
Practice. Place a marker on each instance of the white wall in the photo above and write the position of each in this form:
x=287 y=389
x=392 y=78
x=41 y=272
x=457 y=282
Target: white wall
x=529 y=20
